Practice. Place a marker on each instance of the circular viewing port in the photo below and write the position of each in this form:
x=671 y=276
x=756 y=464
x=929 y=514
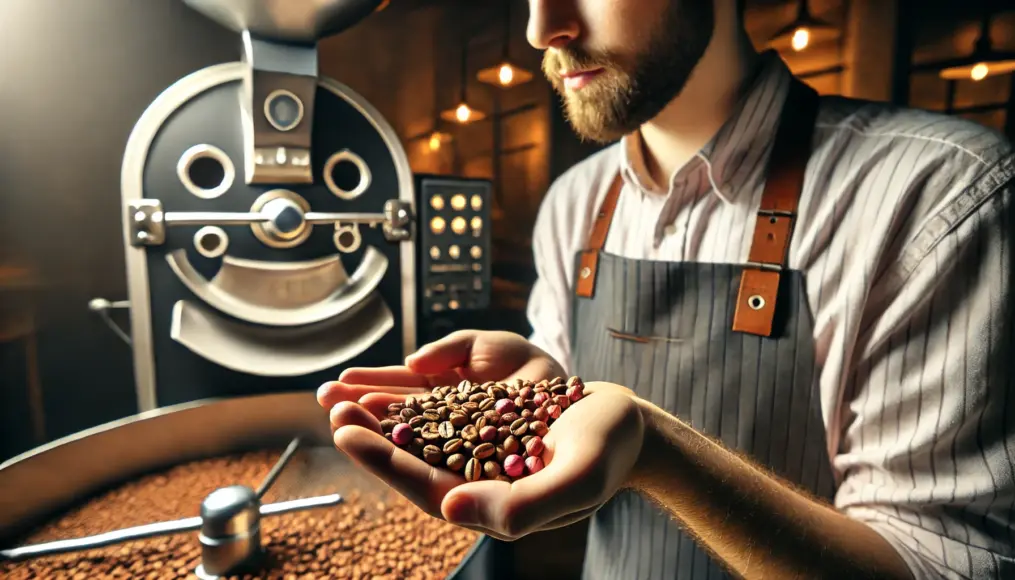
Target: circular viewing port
x=283 y=109
x=346 y=175
x=206 y=171
x=211 y=241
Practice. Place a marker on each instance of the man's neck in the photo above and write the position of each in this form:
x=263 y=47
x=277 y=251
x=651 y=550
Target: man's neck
x=690 y=120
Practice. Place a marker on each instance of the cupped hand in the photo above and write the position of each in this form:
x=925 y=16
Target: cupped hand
x=475 y=355
x=590 y=452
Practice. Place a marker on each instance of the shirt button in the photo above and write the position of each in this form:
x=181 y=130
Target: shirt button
x=670 y=230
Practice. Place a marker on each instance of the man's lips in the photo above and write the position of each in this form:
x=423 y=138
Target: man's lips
x=575 y=80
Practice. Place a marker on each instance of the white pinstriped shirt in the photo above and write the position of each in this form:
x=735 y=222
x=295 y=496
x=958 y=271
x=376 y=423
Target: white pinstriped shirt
x=904 y=240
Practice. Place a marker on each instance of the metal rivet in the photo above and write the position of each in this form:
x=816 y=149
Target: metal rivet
x=756 y=302
x=586 y=272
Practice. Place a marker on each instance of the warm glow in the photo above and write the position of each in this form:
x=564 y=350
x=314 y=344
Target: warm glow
x=477 y=202
x=801 y=38
x=454 y=252
x=507 y=74
x=458 y=225
x=437 y=225
x=476 y=252
x=458 y=202
x=462 y=113
x=435 y=142
x=477 y=223
x=435 y=252
x=979 y=72
x=437 y=202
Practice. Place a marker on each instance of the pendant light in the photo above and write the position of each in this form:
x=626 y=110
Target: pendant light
x=463 y=113
x=803 y=32
x=505 y=74
x=984 y=61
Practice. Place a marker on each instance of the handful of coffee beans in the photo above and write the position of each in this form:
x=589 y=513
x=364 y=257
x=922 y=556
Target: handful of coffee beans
x=482 y=431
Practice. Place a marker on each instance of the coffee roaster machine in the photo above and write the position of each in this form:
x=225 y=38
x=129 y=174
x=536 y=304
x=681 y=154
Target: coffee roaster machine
x=269 y=228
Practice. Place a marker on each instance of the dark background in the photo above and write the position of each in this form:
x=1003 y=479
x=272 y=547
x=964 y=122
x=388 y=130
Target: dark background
x=76 y=75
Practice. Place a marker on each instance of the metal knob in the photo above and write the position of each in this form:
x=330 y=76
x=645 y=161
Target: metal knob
x=285 y=218
x=230 y=531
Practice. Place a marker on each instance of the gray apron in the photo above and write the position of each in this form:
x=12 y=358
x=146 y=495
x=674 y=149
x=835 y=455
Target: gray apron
x=726 y=348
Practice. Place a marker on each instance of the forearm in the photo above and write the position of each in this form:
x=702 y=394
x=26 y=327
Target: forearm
x=758 y=525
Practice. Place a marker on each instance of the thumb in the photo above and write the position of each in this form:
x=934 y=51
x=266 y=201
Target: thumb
x=451 y=352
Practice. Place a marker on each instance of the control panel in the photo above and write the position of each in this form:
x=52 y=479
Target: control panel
x=453 y=245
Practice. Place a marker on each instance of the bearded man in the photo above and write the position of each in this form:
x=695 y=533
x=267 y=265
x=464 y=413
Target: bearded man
x=800 y=309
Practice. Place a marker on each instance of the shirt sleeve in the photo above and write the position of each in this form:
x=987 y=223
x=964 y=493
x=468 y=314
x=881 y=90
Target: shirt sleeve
x=549 y=307
x=928 y=445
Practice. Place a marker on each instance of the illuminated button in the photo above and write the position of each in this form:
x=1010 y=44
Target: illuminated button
x=439 y=288
x=453 y=304
x=437 y=202
x=454 y=252
x=477 y=223
x=435 y=252
x=476 y=252
x=458 y=225
x=437 y=307
x=437 y=225
x=477 y=202
x=477 y=267
x=458 y=202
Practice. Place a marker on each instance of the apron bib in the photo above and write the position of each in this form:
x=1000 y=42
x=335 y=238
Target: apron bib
x=726 y=348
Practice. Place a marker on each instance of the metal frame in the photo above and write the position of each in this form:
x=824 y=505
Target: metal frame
x=132 y=190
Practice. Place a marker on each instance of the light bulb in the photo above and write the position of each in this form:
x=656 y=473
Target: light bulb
x=435 y=142
x=507 y=74
x=462 y=113
x=801 y=38
x=979 y=72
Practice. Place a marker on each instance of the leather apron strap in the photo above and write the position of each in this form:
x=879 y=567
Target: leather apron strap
x=759 y=282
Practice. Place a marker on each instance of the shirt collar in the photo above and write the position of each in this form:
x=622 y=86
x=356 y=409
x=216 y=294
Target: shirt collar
x=734 y=150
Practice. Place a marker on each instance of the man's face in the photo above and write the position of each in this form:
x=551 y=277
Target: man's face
x=617 y=63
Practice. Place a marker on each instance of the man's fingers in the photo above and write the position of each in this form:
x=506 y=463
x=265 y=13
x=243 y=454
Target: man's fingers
x=335 y=392
x=420 y=483
x=448 y=353
x=393 y=376
x=377 y=403
x=347 y=413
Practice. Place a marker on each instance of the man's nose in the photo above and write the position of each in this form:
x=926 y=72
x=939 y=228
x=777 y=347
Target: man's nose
x=552 y=23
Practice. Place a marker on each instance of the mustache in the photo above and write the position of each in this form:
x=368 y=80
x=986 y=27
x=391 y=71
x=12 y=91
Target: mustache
x=573 y=58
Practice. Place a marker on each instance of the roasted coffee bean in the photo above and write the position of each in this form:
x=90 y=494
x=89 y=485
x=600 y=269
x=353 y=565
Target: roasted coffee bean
x=503 y=477
x=520 y=402
x=475 y=416
x=525 y=440
x=470 y=433
x=395 y=408
x=508 y=418
x=459 y=419
x=512 y=392
x=387 y=425
x=446 y=430
x=428 y=405
x=527 y=413
x=557 y=381
x=467 y=445
x=488 y=433
x=451 y=398
x=491 y=469
x=503 y=432
x=539 y=428
x=499 y=453
x=472 y=470
x=432 y=454
x=411 y=402
x=365 y=536
x=480 y=422
x=541 y=386
x=487 y=404
x=444 y=412
x=497 y=392
x=534 y=447
x=519 y=427
x=558 y=389
x=470 y=407
x=456 y=462
x=478 y=397
x=430 y=432
x=525 y=392
x=431 y=415
x=407 y=413
x=492 y=417
x=452 y=446
x=541 y=414
x=511 y=445
x=464 y=386
x=461 y=397
x=417 y=422
x=483 y=450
